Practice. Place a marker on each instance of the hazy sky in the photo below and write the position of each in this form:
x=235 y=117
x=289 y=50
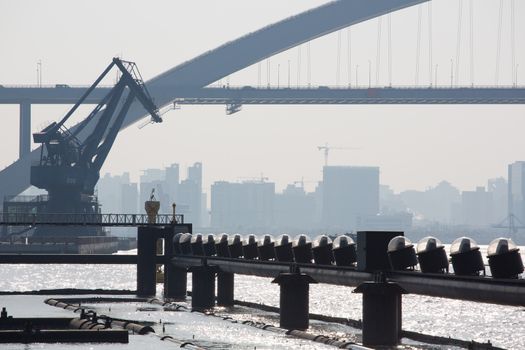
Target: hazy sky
x=415 y=146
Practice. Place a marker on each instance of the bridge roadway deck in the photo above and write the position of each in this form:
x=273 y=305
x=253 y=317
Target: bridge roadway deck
x=334 y=95
x=284 y=96
x=479 y=289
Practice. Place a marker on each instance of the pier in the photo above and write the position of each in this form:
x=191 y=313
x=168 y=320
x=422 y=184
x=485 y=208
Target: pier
x=382 y=286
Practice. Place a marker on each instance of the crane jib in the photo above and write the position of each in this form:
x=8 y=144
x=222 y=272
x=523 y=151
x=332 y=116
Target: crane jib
x=70 y=160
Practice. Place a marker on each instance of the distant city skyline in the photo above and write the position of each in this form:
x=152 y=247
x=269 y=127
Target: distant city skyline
x=347 y=198
x=309 y=183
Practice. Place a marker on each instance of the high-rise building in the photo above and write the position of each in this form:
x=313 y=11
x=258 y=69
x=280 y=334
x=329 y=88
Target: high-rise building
x=109 y=190
x=516 y=193
x=390 y=202
x=476 y=207
x=195 y=174
x=437 y=203
x=189 y=202
x=130 y=198
x=189 y=195
x=294 y=209
x=349 y=193
x=172 y=181
x=499 y=189
x=247 y=206
x=150 y=175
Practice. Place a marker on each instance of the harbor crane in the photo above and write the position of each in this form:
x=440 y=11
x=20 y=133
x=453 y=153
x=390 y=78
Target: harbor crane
x=69 y=166
x=326 y=149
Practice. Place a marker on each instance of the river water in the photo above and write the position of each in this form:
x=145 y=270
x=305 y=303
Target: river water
x=504 y=326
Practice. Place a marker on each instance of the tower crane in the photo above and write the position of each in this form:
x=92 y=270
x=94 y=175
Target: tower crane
x=69 y=165
x=326 y=149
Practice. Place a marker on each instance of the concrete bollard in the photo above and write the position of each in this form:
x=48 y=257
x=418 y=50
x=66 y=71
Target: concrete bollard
x=294 y=300
x=225 y=289
x=203 y=292
x=381 y=312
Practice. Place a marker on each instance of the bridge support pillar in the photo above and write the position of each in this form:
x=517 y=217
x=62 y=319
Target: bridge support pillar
x=381 y=313
x=146 y=256
x=225 y=288
x=203 y=287
x=294 y=300
x=24 y=129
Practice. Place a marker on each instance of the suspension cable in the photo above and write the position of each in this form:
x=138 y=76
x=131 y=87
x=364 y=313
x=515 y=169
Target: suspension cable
x=389 y=50
x=338 y=66
x=418 y=46
x=430 y=44
x=498 y=50
x=299 y=65
x=309 y=65
x=259 y=74
x=471 y=39
x=378 y=51
x=268 y=72
x=458 y=42
x=349 y=55
x=513 y=40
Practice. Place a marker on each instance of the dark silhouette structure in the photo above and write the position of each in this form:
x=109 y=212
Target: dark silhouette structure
x=69 y=167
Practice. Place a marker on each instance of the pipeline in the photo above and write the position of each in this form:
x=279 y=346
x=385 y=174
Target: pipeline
x=89 y=318
x=168 y=306
x=72 y=291
x=84 y=323
x=180 y=343
x=267 y=327
x=416 y=336
x=102 y=300
x=330 y=319
x=91 y=322
x=420 y=337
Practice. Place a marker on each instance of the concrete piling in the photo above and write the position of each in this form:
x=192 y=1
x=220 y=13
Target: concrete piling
x=225 y=289
x=146 y=256
x=294 y=300
x=381 y=313
x=203 y=284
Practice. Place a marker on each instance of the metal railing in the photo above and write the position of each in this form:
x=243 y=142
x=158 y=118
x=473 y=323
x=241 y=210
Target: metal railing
x=69 y=219
x=347 y=87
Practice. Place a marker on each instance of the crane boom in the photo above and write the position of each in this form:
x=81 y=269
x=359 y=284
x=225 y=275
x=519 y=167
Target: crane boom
x=69 y=167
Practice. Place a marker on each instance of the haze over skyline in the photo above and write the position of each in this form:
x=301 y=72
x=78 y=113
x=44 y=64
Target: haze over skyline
x=415 y=146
